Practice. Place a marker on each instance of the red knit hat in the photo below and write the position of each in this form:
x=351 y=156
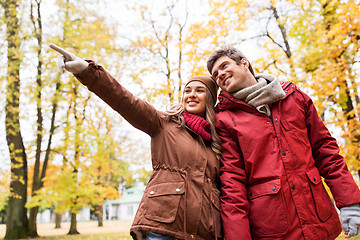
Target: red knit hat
x=209 y=83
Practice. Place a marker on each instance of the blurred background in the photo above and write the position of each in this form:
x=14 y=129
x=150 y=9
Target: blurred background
x=65 y=156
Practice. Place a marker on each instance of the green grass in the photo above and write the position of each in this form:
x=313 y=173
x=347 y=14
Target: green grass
x=89 y=230
x=342 y=237
x=121 y=236
x=102 y=236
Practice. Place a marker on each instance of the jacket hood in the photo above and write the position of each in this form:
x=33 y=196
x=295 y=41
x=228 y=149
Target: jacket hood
x=228 y=102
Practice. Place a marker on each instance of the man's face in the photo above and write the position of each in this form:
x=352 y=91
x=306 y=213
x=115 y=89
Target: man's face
x=230 y=76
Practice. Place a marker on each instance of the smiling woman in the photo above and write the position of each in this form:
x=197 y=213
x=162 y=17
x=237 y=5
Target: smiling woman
x=181 y=199
x=194 y=98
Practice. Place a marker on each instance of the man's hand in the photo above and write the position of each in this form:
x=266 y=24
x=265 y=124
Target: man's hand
x=68 y=61
x=350 y=219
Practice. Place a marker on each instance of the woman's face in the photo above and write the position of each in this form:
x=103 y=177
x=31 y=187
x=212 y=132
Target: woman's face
x=194 y=98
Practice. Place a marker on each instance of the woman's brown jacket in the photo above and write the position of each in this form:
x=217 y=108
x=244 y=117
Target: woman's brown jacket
x=181 y=198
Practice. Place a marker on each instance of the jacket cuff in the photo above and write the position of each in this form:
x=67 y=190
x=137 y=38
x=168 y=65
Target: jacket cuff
x=89 y=75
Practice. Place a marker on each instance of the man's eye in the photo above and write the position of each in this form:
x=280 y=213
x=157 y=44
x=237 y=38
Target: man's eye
x=214 y=75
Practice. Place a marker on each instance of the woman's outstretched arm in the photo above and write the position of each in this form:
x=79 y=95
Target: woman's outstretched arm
x=136 y=111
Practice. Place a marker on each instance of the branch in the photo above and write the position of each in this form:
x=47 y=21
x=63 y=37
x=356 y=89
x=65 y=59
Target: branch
x=283 y=32
x=267 y=32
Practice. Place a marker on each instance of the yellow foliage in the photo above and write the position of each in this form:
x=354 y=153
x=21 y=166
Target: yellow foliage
x=4 y=187
x=331 y=51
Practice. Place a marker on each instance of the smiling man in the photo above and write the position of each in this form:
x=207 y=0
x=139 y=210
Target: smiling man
x=276 y=151
x=226 y=71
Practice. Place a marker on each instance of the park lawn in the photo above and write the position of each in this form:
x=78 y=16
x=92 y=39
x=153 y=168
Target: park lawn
x=99 y=236
x=119 y=236
x=342 y=237
x=119 y=230
x=112 y=230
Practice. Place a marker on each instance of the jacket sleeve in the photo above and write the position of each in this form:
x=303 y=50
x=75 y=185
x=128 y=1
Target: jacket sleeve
x=331 y=164
x=137 y=112
x=234 y=203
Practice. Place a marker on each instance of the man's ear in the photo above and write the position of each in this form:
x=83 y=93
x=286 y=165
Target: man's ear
x=245 y=63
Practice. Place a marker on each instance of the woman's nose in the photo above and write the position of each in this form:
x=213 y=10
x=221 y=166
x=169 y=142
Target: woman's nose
x=192 y=94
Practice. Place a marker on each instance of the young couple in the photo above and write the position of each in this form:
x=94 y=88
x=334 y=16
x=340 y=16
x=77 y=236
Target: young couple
x=266 y=149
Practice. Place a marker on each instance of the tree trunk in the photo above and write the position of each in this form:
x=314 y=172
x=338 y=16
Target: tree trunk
x=32 y=222
x=99 y=214
x=73 y=229
x=40 y=173
x=39 y=136
x=17 y=222
x=39 y=176
x=57 y=220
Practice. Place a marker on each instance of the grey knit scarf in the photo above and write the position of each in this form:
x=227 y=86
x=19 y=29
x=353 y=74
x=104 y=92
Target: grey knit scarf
x=267 y=90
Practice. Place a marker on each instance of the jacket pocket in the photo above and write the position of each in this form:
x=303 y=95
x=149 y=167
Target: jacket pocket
x=163 y=200
x=267 y=209
x=321 y=198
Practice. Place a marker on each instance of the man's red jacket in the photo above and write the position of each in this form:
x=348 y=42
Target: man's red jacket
x=272 y=171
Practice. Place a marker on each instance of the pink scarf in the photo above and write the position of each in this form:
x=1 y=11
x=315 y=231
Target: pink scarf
x=198 y=125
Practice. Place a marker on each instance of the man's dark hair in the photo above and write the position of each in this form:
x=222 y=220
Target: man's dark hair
x=232 y=53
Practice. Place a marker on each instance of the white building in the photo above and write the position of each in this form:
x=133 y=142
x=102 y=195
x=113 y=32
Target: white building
x=48 y=215
x=125 y=207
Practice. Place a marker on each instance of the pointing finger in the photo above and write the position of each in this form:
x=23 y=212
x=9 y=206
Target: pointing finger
x=60 y=50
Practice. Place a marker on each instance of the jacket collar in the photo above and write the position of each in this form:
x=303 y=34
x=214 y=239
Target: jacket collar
x=228 y=102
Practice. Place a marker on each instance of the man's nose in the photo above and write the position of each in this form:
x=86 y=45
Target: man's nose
x=221 y=73
x=220 y=76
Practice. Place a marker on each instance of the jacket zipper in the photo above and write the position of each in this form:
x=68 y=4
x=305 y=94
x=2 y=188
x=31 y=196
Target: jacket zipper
x=287 y=85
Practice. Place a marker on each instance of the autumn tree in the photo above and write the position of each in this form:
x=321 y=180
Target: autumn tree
x=68 y=190
x=105 y=168
x=330 y=50
x=41 y=160
x=223 y=25
x=159 y=47
x=265 y=26
x=76 y=127
x=17 y=221
x=312 y=43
